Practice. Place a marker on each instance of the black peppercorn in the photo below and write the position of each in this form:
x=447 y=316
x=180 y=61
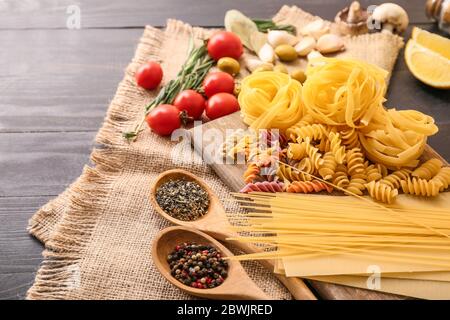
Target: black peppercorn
x=198 y=266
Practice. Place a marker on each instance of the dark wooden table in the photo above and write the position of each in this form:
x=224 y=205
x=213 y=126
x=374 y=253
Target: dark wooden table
x=56 y=84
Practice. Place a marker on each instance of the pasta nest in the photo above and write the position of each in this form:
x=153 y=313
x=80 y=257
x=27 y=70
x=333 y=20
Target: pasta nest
x=344 y=91
x=271 y=100
x=397 y=138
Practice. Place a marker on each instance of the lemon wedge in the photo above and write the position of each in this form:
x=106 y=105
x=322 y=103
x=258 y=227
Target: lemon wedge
x=428 y=65
x=432 y=41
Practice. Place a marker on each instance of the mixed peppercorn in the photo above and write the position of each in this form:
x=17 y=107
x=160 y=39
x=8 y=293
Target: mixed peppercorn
x=182 y=199
x=198 y=266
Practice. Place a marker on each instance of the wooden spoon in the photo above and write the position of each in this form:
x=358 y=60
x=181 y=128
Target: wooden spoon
x=216 y=224
x=237 y=285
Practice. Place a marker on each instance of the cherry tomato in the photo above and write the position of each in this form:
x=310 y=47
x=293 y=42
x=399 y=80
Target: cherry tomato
x=149 y=75
x=192 y=102
x=220 y=105
x=225 y=44
x=217 y=82
x=164 y=119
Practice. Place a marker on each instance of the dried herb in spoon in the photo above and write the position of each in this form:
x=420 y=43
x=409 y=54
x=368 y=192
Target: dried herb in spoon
x=182 y=199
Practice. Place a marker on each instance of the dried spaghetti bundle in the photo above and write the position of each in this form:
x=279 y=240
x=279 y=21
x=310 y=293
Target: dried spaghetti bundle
x=305 y=226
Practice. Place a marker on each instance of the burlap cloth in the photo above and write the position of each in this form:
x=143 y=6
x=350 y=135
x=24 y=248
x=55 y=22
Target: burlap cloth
x=98 y=233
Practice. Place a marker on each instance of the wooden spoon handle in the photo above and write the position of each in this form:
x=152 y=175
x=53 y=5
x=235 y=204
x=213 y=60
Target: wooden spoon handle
x=296 y=286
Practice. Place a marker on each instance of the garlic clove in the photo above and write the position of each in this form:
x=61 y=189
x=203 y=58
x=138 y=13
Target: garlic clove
x=313 y=55
x=316 y=29
x=267 y=53
x=253 y=63
x=279 y=37
x=329 y=43
x=305 y=46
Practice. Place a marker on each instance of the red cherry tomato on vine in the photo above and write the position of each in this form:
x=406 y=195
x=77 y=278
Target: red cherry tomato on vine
x=192 y=102
x=217 y=82
x=164 y=119
x=149 y=75
x=220 y=105
x=225 y=44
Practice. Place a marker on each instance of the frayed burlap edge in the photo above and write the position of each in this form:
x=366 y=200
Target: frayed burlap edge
x=65 y=242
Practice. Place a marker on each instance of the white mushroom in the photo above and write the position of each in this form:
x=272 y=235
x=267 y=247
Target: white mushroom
x=316 y=29
x=279 y=37
x=329 y=43
x=305 y=46
x=390 y=17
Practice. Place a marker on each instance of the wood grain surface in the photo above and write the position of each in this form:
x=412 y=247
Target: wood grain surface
x=56 y=85
x=136 y=13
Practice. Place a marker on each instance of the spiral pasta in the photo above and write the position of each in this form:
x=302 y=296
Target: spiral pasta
x=324 y=145
x=344 y=91
x=372 y=173
x=307 y=119
x=393 y=180
x=313 y=131
x=381 y=192
x=231 y=141
x=357 y=183
x=246 y=145
x=271 y=100
x=382 y=169
x=252 y=173
x=420 y=187
x=328 y=167
x=442 y=178
x=428 y=169
x=265 y=186
x=313 y=153
x=355 y=161
x=350 y=138
x=306 y=165
x=336 y=148
x=286 y=173
x=296 y=151
x=340 y=177
x=308 y=186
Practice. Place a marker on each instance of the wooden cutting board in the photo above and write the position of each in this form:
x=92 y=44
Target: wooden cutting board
x=231 y=175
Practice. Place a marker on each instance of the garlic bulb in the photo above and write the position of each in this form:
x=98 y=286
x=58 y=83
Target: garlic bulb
x=305 y=46
x=279 y=37
x=329 y=43
x=316 y=29
x=267 y=53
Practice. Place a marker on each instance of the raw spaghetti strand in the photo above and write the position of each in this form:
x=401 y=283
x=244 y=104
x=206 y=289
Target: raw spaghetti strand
x=369 y=201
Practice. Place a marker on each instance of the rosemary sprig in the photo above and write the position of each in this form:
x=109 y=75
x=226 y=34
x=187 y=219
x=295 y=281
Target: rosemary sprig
x=266 y=25
x=191 y=76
